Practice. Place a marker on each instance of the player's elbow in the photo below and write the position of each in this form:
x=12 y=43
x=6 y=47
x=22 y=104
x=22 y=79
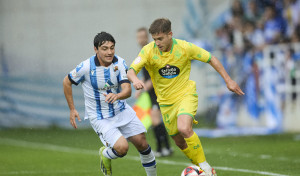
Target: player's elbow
x=66 y=82
x=130 y=74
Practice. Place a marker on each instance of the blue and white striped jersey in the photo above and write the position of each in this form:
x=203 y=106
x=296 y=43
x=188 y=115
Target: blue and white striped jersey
x=96 y=80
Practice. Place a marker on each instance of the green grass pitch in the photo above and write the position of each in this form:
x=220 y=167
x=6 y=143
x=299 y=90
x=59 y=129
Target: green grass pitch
x=49 y=152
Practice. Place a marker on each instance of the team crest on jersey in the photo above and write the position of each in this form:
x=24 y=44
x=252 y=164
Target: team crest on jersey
x=169 y=71
x=116 y=68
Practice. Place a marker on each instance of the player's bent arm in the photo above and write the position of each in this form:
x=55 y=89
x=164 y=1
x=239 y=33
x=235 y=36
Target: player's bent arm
x=137 y=84
x=132 y=75
x=231 y=85
x=125 y=92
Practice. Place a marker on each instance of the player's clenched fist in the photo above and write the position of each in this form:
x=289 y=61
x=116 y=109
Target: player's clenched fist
x=138 y=85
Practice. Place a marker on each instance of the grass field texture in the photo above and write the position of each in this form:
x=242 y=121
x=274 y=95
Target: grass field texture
x=45 y=152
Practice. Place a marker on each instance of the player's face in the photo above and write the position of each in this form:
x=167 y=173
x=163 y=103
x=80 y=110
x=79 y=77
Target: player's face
x=105 y=53
x=142 y=38
x=163 y=41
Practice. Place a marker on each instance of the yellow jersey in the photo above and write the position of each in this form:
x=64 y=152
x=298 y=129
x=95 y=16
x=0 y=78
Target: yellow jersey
x=170 y=71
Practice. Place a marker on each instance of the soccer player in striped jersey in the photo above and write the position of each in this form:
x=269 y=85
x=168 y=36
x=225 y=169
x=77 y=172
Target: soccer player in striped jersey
x=168 y=61
x=106 y=86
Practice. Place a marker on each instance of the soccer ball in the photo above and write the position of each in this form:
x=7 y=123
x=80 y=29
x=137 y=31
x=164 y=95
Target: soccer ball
x=192 y=171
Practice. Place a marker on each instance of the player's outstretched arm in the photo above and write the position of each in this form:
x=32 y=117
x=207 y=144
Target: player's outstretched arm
x=137 y=83
x=231 y=85
x=69 y=97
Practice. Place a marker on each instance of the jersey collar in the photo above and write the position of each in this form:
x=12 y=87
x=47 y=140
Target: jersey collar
x=97 y=63
x=173 y=43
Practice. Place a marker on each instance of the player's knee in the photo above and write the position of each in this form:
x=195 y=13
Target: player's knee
x=185 y=131
x=122 y=149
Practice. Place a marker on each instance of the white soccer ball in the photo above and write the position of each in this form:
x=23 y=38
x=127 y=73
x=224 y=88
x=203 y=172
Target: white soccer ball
x=192 y=171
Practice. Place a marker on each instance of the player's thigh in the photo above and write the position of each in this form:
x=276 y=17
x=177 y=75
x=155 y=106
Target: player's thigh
x=188 y=105
x=169 y=115
x=107 y=132
x=133 y=127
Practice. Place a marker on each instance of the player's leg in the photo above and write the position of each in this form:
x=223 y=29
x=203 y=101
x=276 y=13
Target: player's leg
x=134 y=131
x=115 y=145
x=156 y=120
x=185 y=120
x=162 y=140
x=146 y=154
x=118 y=150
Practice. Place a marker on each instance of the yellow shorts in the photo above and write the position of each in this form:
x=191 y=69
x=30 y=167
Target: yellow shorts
x=187 y=105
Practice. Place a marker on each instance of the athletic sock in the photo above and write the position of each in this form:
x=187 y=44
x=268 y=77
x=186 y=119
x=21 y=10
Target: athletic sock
x=188 y=154
x=205 y=166
x=111 y=153
x=148 y=161
x=196 y=149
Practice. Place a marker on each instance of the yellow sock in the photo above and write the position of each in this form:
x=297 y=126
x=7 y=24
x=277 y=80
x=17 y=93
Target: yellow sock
x=188 y=154
x=195 y=148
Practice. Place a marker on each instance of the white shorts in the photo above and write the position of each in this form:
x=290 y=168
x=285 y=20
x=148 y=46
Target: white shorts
x=126 y=124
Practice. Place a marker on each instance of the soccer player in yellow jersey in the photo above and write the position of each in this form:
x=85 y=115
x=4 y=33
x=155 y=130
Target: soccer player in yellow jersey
x=168 y=61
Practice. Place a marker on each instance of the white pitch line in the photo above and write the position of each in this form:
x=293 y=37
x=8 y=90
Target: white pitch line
x=48 y=172
x=51 y=147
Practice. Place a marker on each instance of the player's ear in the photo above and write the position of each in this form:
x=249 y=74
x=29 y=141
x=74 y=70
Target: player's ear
x=96 y=49
x=170 y=34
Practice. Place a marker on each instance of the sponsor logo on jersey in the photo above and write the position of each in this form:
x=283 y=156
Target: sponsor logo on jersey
x=169 y=71
x=108 y=85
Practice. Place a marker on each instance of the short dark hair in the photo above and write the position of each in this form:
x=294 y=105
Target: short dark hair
x=103 y=37
x=160 y=25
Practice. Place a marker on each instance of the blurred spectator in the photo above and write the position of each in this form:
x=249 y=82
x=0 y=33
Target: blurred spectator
x=252 y=11
x=272 y=26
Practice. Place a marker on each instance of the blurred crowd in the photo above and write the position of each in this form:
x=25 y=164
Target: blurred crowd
x=253 y=24
x=249 y=26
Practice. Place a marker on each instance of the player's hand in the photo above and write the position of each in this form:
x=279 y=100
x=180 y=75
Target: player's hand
x=138 y=84
x=234 y=87
x=111 y=97
x=73 y=115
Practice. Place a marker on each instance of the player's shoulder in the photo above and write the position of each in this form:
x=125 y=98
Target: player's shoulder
x=85 y=64
x=119 y=61
x=149 y=46
x=182 y=43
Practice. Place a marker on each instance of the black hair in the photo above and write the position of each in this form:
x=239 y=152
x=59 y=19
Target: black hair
x=103 y=37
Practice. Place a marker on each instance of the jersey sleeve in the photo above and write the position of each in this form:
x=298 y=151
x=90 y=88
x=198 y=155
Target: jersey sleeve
x=123 y=72
x=77 y=75
x=140 y=61
x=197 y=53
